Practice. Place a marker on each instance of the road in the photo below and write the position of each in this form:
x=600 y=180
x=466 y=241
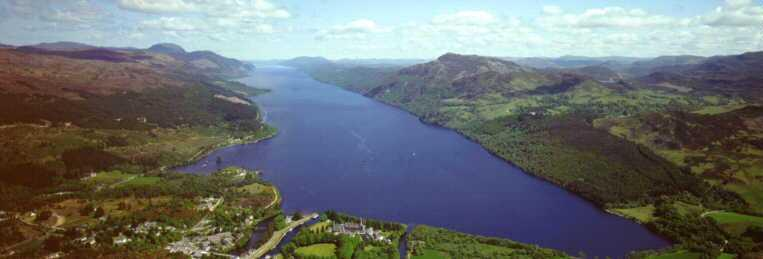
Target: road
x=277 y=237
x=275 y=199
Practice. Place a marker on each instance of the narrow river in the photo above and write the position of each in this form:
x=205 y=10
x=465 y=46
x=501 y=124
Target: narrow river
x=337 y=150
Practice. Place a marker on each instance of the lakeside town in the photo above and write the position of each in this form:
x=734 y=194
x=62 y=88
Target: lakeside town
x=215 y=225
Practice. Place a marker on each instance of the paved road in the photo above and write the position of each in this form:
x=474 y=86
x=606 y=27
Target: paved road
x=277 y=237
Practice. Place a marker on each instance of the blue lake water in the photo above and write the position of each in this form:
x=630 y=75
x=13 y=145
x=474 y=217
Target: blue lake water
x=338 y=150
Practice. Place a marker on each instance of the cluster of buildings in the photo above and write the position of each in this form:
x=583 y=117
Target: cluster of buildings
x=209 y=203
x=353 y=229
x=200 y=246
x=88 y=240
x=148 y=226
x=121 y=240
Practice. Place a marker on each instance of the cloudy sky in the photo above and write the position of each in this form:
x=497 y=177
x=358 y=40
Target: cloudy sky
x=265 y=29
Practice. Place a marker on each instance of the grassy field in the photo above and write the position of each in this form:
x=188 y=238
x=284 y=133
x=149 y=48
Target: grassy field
x=642 y=214
x=734 y=218
x=141 y=181
x=109 y=177
x=322 y=250
x=431 y=242
x=683 y=254
x=430 y=254
x=256 y=188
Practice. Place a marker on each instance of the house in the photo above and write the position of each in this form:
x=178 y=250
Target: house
x=121 y=240
x=145 y=227
x=359 y=229
x=209 y=203
x=87 y=240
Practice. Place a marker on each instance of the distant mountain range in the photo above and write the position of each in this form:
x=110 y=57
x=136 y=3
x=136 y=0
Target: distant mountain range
x=734 y=74
x=571 y=61
x=204 y=62
x=737 y=75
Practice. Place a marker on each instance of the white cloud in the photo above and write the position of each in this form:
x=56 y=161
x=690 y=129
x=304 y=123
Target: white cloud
x=173 y=24
x=735 y=13
x=466 y=18
x=552 y=9
x=356 y=29
x=217 y=20
x=61 y=14
x=733 y=27
x=83 y=14
x=264 y=28
x=608 y=17
x=158 y=6
x=217 y=8
x=358 y=26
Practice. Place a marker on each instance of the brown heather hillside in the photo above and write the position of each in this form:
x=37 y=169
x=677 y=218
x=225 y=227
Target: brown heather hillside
x=69 y=77
x=64 y=107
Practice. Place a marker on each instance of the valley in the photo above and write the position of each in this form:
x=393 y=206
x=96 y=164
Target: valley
x=285 y=129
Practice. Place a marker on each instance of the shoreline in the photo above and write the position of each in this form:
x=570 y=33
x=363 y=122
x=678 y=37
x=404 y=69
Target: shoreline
x=206 y=151
x=600 y=207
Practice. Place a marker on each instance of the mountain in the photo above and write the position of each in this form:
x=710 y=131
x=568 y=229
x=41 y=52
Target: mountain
x=380 y=62
x=601 y=73
x=92 y=109
x=204 y=61
x=466 y=76
x=735 y=75
x=572 y=61
x=645 y=67
x=528 y=115
x=62 y=46
x=6 y=46
x=167 y=48
x=92 y=84
x=201 y=62
x=356 y=78
x=307 y=62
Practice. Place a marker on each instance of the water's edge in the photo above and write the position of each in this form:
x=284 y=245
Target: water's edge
x=403 y=242
x=492 y=153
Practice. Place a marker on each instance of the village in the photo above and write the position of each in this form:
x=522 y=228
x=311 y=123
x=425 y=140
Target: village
x=358 y=229
x=97 y=224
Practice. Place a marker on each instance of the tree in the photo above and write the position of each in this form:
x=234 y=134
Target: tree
x=44 y=215
x=86 y=210
x=54 y=243
x=99 y=212
x=755 y=233
x=297 y=216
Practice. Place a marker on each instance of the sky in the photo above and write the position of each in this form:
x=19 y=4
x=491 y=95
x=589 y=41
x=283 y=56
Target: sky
x=420 y=29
